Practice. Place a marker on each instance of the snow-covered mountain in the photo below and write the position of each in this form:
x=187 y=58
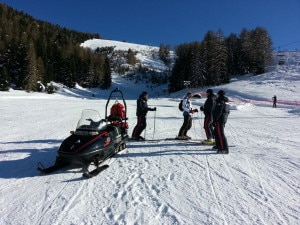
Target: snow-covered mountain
x=124 y=46
x=149 y=70
x=163 y=182
x=147 y=55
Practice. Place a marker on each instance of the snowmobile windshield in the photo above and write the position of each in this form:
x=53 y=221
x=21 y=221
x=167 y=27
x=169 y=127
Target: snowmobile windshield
x=89 y=123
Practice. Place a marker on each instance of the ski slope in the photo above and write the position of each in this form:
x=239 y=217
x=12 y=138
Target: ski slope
x=163 y=182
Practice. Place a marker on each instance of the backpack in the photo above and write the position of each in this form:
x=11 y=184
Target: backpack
x=180 y=105
x=226 y=109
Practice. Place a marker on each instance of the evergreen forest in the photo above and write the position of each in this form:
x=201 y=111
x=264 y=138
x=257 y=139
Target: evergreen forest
x=34 y=53
x=212 y=61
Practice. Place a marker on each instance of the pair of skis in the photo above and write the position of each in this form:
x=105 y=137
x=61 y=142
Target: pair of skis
x=199 y=141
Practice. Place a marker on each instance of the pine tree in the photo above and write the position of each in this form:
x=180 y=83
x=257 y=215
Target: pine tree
x=32 y=77
x=247 y=52
x=262 y=45
x=107 y=74
x=4 y=84
x=210 y=54
x=197 y=67
x=233 y=43
x=131 y=59
x=164 y=53
x=221 y=68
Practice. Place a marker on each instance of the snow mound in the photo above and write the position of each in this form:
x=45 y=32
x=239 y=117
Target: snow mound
x=295 y=111
x=243 y=107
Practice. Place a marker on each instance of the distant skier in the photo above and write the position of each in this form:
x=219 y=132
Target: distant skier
x=208 y=108
x=187 y=117
x=220 y=115
x=141 y=112
x=274 y=101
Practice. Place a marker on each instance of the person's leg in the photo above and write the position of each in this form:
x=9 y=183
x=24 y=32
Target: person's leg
x=184 y=126
x=136 y=130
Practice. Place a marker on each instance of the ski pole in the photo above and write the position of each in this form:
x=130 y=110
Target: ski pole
x=145 y=133
x=201 y=126
x=193 y=121
x=154 y=124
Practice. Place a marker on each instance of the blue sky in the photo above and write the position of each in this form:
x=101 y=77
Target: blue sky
x=170 y=22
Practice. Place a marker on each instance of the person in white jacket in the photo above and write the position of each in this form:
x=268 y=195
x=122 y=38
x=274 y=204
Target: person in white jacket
x=187 y=117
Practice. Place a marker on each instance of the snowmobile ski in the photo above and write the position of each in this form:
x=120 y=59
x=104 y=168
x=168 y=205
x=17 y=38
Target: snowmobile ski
x=51 y=169
x=95 y=172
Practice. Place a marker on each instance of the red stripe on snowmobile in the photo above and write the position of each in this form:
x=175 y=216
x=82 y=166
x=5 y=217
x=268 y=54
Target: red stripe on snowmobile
x=93 y=140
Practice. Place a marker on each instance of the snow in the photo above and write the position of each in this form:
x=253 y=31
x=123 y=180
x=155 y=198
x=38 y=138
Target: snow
x=164 y=182
x=145 y=53
x=119 y=45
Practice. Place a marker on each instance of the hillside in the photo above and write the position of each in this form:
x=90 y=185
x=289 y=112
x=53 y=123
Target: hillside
x=163 y=182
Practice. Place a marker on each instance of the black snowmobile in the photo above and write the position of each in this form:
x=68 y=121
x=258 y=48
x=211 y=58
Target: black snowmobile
x=94 y=140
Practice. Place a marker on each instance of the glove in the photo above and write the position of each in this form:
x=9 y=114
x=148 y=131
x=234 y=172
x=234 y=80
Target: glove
x=154 y=109
x=201 y=108
x=195 y=110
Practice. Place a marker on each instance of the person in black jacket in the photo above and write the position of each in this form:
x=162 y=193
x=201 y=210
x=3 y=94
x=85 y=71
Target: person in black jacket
x=274 y=101
x=141 y=112
x=208 y=108
x=220 y=115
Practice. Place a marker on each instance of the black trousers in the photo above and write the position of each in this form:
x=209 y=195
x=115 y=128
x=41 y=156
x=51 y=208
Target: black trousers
x=139 y=127
x=208 y=126
x=187 y=124
x=220 y=138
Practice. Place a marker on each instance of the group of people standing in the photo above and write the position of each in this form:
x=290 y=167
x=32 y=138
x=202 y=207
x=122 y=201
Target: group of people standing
x=215 y=108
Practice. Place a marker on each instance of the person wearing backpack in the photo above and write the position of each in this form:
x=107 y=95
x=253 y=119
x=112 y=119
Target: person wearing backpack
x=220 y=115
x=208 y=108
x=187 y=117
x=141 y=112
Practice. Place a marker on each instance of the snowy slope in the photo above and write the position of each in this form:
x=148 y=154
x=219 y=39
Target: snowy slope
x=119 y=45
x=148 y=55
x=164 y=182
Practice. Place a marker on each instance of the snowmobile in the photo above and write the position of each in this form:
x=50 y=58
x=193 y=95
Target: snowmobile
x=94 y=140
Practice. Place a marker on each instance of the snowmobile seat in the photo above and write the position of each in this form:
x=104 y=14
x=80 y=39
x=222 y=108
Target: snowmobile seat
x=112 y=118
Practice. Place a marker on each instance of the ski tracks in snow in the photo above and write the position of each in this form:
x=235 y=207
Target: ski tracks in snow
x=252 y=185
x=223 y=185
x=138 y=193
x=60 y=203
